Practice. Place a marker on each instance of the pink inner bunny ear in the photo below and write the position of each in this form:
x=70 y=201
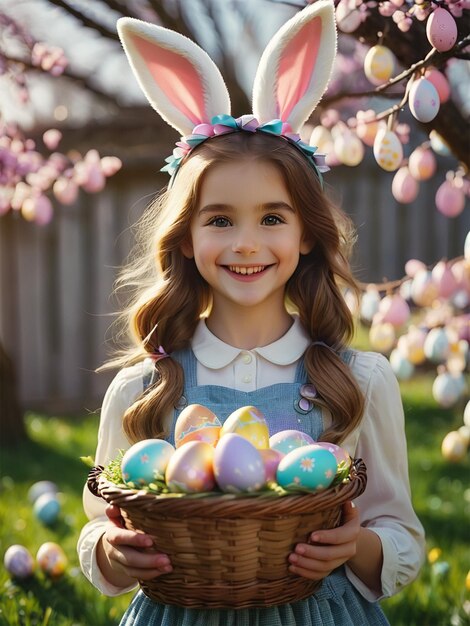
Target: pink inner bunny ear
x=176 y=77
x=296 y=66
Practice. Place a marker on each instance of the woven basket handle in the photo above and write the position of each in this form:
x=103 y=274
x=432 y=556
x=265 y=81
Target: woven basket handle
x=92 y=480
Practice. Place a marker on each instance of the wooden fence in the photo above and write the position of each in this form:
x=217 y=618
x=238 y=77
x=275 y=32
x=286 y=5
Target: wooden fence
x=56 y=281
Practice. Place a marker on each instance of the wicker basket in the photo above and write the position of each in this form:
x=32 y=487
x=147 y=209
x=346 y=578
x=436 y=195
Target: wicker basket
x=229 y=551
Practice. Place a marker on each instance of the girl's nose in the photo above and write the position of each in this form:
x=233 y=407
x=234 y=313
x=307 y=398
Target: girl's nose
x=245 y=242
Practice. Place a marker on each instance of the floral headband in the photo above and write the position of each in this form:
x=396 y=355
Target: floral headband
x=185 y=87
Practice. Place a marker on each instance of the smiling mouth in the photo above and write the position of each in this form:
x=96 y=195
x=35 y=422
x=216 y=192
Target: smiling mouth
x=247 y=271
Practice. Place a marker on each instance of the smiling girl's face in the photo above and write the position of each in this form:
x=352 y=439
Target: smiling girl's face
x=246 y=237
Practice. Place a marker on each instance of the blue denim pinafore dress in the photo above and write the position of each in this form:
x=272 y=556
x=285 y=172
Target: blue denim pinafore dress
x=336 y=603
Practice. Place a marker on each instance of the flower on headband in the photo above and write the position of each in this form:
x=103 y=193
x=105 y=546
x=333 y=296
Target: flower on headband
x=223 y=124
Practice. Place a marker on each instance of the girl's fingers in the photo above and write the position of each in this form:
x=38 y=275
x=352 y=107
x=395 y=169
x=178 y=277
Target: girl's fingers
x=124 y=537
x=142 y=560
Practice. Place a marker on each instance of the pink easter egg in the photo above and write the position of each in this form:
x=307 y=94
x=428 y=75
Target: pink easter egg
x=441 y=30
x=413 y=266
x=404 y=186
x=394 y=310
x=440 y=82
x=450 y=200
x=65 y=190
x=422 y=163
x=444 y=279
x=271 y=459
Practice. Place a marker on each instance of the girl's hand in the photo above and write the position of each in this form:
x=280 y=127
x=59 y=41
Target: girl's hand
x=129 y=553
x=331 y=547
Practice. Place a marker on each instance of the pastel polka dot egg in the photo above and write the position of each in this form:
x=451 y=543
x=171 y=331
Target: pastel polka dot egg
x=146 y=461
x=52 y=559
x=309 y=468
x=379 y=63
x=287 y=440
x=250 y=423
x=423 y=100
x=441 y=30
x=197 y=423
x=18 y=562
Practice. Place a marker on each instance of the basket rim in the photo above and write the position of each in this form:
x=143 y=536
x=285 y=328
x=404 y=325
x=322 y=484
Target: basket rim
x=226 y=504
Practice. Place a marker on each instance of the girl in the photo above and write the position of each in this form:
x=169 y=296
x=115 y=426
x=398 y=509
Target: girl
x=238 y=301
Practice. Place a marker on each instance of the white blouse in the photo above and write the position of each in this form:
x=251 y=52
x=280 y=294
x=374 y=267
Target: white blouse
x=385 y=507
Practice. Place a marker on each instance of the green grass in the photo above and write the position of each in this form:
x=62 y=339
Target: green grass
x=441 y=496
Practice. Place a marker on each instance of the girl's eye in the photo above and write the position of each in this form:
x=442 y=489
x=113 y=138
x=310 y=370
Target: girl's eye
x=220 y=222
x=271 y=220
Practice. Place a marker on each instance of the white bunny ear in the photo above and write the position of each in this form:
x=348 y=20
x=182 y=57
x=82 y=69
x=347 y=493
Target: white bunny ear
x=295 y=67
x=180 y=80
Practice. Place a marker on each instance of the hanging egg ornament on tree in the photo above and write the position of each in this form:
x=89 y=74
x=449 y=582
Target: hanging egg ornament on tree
x=422 y=163
x=444 y=279
x=348 y=17
x=321 y=137
x=441 y=30
x=423 y=100
x=411 y=345
x=401 y=366
x=404 y=186
x=423 y=289
x=367 y=126
x=369 y=303
x=382 y=337
x=394 y=309
x=349 y=148
x=450 y=199
x=379 y=64
x=445 y=389
x=440 y=82
x=436 y=345
x=388 y=151
x=438 y=144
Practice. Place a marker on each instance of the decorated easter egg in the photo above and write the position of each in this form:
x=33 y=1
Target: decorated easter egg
x=423 y=100
x=271 y=459
x=349 y=148
x=382 y=337
x=309 y=468
x=423 y=289
x=450 y=199
x=51 y=559
x=441 y=30
x=287 y=440
x=47 y=508
x=388 y=151
x=197 y=423
x=453 y=447
x=445 y=390
x=394 y=309
x=440 y=82
x=411 y=345
x=40 y=488
x=401 y=366
x=238 y=465
x=436 y=345
x=422 y=163
x=343 y=460
x=321 y=137
x=146 y=461
x=444 y=279
x=369 y=303
x=249 y=422
x=413 y=266
x=190 y=468
x=379 y=63
x=18 y=561
x=404 y=186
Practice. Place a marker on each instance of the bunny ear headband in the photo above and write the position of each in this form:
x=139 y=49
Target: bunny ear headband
x=185 y=87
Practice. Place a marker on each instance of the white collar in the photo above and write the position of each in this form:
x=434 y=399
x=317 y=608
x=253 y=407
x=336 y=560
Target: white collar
x=214 y=353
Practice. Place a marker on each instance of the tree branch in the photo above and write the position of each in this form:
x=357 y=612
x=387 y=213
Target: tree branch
x=85 y=20
x=79 y=80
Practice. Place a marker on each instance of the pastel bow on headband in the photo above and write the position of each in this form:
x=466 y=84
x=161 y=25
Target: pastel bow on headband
x=186 y=88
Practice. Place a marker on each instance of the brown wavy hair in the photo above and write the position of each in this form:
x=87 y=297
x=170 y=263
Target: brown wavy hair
x=168 y=296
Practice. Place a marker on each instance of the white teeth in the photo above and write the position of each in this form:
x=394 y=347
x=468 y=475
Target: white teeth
x=246 y=270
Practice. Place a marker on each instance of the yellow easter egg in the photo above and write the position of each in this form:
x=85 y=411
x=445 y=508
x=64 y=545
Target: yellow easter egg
x=379 y=64
x=197 y=423
x=388 y=151
x=250 y=423
x=51 y=559
x=382 y=337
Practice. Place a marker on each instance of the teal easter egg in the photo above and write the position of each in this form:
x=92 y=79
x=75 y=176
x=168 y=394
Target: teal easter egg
x=47 y=508
x=309 y=468
x=287 y=440
x=146 y=461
